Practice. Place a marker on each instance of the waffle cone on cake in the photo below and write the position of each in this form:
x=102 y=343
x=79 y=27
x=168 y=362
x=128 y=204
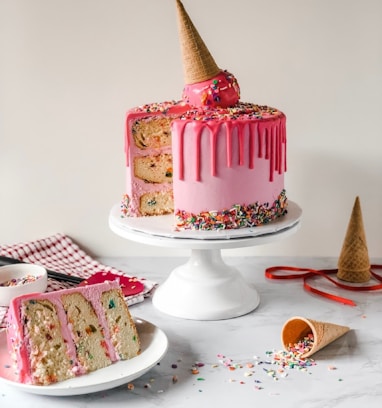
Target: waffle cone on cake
x=353 y=262
x=324 y=333
x=198 y=63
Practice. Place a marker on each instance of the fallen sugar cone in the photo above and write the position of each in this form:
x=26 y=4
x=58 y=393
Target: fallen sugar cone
x=198 y=63
x=353 y=262
x=306 y=336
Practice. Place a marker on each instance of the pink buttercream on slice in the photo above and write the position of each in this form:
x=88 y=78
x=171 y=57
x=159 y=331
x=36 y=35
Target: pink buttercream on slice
x=18 y=342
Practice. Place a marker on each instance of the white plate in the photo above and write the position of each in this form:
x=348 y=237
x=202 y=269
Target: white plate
x=154 y=346
x=163 y=226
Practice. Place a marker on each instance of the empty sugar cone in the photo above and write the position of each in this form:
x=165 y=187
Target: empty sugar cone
x=198 y=63
x=353 y=262
x=306 y=336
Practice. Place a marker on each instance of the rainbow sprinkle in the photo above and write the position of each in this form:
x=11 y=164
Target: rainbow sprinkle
x=239 y=216
x=240 y=111
x=303 y=346
x=158 y=107
x=290 y=360
x=125 y=205
x=19 y=281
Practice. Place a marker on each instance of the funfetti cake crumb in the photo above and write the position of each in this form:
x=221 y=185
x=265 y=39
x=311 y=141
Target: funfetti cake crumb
x=59 y=335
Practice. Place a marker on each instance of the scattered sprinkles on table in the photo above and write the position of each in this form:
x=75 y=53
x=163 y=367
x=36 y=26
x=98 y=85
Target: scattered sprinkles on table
x=275 y=365
x=255 y=372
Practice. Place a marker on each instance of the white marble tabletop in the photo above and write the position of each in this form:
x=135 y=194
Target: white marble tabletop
x=348 y=372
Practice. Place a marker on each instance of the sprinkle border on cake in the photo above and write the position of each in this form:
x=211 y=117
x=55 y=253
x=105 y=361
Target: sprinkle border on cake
x=239 y=216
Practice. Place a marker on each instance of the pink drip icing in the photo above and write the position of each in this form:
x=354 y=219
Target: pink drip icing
x=260 y=142
x=283 y=129
x=197 y=154
x=253 y=129
x=271 y=153
x=181 y=151
x=270 y=137
x=229 y=144
x=127 y=142
x=279 y=151
x=241 y=145
x=267 y=140
x=213 y=144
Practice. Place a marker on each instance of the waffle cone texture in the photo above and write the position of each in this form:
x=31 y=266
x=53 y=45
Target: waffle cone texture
x=324 y=333
x=198 y=63
x=353 y=262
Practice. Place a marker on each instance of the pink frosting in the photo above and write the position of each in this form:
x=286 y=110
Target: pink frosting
x=18 y=342
x=219 y=163
x=221 y=91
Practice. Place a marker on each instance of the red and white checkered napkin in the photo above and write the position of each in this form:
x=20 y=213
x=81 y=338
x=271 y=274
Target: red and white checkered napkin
x=59 y=253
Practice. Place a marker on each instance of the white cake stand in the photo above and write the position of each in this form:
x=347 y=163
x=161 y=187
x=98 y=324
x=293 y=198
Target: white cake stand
x=204 y=288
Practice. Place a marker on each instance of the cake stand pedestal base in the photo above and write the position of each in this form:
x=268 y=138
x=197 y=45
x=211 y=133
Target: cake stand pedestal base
x=205 y=288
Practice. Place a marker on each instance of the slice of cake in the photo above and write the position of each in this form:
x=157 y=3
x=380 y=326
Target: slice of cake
x=59 y=335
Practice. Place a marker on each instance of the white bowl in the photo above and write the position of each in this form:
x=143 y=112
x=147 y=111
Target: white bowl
x=19 y=272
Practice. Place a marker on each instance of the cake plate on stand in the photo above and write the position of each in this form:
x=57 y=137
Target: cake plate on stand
x=205 y=287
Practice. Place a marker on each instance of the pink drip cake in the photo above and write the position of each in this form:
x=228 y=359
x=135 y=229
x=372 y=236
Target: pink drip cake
x=59 y=335
x=211 y=160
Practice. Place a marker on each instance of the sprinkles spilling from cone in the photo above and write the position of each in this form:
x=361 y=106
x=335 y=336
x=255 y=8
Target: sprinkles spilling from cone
x=292 y=359
x=302 y=346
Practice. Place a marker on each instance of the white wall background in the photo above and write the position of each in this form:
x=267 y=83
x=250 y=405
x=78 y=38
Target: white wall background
x=69 y=70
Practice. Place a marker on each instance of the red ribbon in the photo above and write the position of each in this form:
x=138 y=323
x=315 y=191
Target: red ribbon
x=306 y=274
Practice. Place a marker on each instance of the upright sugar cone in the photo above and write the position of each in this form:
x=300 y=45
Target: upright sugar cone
x=198 y=63
x=353 y=262
x=297 y=328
